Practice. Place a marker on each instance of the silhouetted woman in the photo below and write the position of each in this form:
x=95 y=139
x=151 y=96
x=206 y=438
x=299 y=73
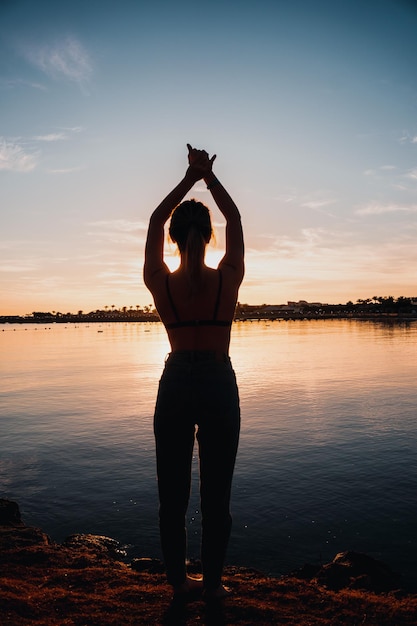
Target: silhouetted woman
x=198 y=386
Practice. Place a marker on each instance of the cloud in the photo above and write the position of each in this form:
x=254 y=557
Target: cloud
x=17 y=267
x=66 y=59
x=73 y=129
x=17 y=82
x=408 y=138
x=395 y=177
x=382 y=168
x=65 y=170
x=14 y=158
x=330 y=266
x=51 y=137
x=18 y=153
x=379 y=209
x=412 y=174
x=309 y=243
x=316 y=204
x=117 y=234
x=314 y=200
x=121 y=226
x=62 y=135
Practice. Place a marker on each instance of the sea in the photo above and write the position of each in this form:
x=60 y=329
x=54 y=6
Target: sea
x=328 y=450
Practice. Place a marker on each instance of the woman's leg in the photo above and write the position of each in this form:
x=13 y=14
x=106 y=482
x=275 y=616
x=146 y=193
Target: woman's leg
x=174 y=436
x=218 y=436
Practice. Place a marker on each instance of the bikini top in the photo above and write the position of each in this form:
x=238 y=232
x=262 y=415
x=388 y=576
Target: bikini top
x=194 y=323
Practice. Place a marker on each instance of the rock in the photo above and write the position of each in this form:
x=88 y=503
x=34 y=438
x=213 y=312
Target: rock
x=306 y=572
x=354 y=570
x=12 y=538
x=9 y=513
x=14 y=535
x=153 y=566
x=99 y=544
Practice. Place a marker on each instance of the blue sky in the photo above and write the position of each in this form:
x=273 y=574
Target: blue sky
x=310 y=106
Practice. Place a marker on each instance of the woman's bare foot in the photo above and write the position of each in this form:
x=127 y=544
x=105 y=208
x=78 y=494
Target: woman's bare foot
x=190 y=586
x=219 y=593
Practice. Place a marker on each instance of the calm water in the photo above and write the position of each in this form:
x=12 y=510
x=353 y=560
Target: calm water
x=328 y=452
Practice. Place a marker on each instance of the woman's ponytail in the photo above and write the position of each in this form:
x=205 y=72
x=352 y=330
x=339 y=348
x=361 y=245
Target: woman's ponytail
x=193 y=257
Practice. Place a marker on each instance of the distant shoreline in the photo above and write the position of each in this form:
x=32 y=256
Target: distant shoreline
x=74 y=319
x=379 y=309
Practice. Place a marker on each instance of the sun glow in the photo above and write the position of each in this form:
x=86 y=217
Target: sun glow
x=172 y=258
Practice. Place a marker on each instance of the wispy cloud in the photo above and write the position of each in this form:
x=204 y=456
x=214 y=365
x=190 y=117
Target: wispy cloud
x=116 y=233
x=21 y=154
x=13 y=266
x=407 y=137
x=62 y=134
x=65 y=170
x=51 y=137
x=377 y=171
x=121 y=226
x=330 y=265
x=412 y=174
x=14 y=158
x=308 y=243
x=65 y=59
x=73 y=129
x=316 y=204
x=375 y=208
x=315 y=200
x=393 y=176
x=19 y=82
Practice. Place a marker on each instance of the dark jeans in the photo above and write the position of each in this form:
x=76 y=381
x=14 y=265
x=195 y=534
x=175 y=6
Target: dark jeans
x=196 y=388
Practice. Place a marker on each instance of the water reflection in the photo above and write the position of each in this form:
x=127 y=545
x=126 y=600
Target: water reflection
x=328 y=436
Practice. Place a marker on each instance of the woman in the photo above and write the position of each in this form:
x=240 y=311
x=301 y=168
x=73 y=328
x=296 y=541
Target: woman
x=198 y=386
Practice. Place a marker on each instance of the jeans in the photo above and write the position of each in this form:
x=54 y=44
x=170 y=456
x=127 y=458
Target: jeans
x=196 y=388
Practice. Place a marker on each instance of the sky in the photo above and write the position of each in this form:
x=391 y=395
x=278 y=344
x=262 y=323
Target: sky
x=310 y=106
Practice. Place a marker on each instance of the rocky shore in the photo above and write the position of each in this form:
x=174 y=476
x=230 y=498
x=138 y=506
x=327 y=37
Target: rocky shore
x=84 y=581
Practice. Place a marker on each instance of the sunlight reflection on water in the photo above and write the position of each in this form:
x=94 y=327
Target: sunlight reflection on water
x=328 y=449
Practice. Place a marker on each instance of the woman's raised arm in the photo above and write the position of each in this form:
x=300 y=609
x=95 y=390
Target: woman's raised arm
x=199 y=166
x=234 y=255
x=154 y=248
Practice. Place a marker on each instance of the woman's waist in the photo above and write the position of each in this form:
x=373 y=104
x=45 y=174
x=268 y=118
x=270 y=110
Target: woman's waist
x=197 y=356
x=217 y=341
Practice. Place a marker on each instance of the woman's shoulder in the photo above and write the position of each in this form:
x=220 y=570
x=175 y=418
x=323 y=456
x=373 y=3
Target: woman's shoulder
x=232 y=273
x=154 y=276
